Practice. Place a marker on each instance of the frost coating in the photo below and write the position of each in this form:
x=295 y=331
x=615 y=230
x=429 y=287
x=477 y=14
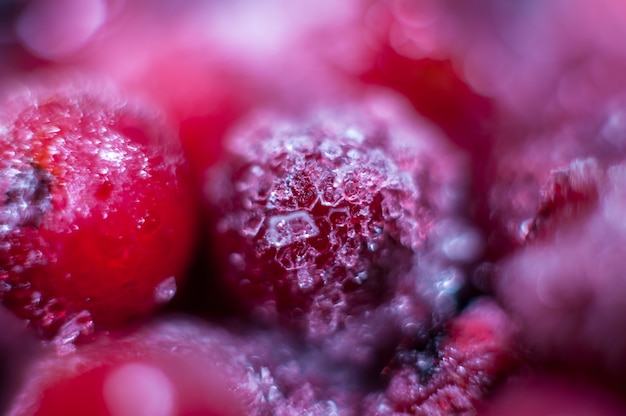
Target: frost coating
x=321 y=219
x=287 y=229
x=165 y=291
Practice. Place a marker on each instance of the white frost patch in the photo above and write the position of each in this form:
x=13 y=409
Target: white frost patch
x=290 y=228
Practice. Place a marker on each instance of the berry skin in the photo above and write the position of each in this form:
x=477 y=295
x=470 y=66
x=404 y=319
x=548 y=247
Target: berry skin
x=97 y=215
x=321 y=219
x=182 y=367
x=453 y=371
x=175 y=368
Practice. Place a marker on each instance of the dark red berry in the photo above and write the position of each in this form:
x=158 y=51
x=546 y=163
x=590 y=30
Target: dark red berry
x=97 y=215
x=321 y=219
x=450 y=373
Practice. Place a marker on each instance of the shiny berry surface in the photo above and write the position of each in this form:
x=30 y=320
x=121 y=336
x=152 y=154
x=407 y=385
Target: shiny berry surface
x=96 y=218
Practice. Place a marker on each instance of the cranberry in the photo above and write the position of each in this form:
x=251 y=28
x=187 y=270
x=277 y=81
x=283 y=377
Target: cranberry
x=322 y=221
x=452 y=372
x=183 y=367
x=97 y=219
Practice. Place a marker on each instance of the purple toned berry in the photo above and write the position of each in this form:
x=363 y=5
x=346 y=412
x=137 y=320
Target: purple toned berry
x=324 y=222
x=451 y=373
x=566 y=284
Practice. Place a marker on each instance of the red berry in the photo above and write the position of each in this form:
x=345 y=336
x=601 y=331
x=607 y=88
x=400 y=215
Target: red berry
x=321 y=219
x=173 y=368
x=452 y=372
x=183 y=368
x=97 y=217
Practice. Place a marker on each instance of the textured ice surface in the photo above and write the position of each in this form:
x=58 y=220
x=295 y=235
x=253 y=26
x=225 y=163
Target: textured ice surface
x=325 y=219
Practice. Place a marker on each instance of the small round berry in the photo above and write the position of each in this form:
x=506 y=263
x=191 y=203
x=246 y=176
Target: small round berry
x=452 y=372
x=182 y=367
x=321 y=218
x=97 y=213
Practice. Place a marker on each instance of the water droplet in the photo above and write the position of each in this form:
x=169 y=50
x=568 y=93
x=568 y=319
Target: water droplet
x=290 y=228
x=166 y=290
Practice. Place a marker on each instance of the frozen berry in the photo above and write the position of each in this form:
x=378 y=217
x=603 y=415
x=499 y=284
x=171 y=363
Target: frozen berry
x=180 y=367
x=452 y=372
x=565 y=287
x=321 y=218
x=547 y=173
x=174 y=368
x=97 y=215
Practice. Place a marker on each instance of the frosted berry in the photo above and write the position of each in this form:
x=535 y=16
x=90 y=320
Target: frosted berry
x=565 y=285
x=181 y=367
x=96 y=218
x=451 y=372
x=320 y=219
